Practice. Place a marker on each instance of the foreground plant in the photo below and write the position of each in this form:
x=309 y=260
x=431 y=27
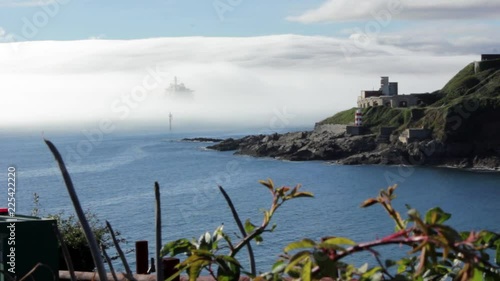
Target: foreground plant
x=203 y=254
x=436 y=251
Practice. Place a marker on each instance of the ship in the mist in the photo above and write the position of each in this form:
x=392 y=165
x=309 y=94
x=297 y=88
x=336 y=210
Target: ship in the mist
x=179 y=92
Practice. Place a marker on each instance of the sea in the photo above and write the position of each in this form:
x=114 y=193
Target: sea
x=114 y=176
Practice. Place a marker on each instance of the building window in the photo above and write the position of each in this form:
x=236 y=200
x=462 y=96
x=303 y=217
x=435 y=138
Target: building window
x=403 y=104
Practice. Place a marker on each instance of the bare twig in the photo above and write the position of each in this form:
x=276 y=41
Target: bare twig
x=109 y=262
x=30 y=273
x=120 y=253
x=96 y=255
x=65 y=252
x=251 y=257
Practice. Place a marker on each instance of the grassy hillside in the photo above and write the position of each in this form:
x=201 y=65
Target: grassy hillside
x=467 y=108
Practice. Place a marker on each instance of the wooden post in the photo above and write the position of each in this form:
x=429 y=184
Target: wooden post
x=141 y=257
x=159 y=266
x=169 y=268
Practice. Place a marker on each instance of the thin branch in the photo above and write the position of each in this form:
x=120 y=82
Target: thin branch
x=109 y=262
x=377 y=258
x=65 y=252
x=366 y=246
x=242 y=230
x=120 y=252
x=30 y=273
x=96 y=255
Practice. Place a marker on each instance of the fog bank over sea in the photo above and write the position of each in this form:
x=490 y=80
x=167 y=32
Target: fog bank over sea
x=238 y=82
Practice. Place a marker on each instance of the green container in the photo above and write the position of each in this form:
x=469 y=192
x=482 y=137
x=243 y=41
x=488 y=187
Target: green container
x=26 y=242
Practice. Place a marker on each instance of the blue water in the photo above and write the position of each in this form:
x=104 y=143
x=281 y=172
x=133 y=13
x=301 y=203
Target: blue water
x=114 y=178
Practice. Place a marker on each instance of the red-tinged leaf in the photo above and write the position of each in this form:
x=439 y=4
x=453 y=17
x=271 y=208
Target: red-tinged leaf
x=303 y=194
x=369 y=202
x=391 y=189
x=269 y=184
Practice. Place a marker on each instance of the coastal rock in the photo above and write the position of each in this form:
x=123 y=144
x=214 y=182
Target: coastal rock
x=332 y=144
x=320 y=144
x=202 y=140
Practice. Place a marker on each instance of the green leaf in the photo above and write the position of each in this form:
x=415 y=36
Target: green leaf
x=196 y=262
x=249 y=227
x=371 y=272
x=273 y=227
x=258 y=239
x=181 y=246
x=229 y=268
x=229 y=259
x=497 y=254
x=296 y=259
x=478 y=275
x=278 y=267
x=436 y=216
x=304 y=243
x=306 y=271
x=339 y=241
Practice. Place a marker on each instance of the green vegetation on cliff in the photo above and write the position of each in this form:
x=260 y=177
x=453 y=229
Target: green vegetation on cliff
x=467 y=108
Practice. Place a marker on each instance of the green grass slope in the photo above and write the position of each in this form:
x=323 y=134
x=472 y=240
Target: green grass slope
x=467 y=109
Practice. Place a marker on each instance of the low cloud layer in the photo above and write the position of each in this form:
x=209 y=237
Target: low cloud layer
x=270 y=82
x=345 y=10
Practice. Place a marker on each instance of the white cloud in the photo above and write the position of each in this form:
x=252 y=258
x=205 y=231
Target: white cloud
x=97 y=37
x=25 y=3
x=236 y=80
x=345 y=10
x=460 y=38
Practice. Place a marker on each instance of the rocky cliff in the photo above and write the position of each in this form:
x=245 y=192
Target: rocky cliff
x=464 y=118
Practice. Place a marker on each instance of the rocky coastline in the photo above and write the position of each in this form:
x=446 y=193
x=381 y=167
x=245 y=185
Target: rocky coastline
x=330 y=143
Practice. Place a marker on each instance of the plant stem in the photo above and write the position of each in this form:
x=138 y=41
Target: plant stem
x=120 y=253
x=65 y=253
x=96 y=255
x=109 y=263
x=236 y=217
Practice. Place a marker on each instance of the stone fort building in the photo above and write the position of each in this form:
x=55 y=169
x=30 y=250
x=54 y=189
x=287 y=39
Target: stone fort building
x=387 y=95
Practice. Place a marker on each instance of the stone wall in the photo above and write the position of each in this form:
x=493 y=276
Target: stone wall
x=389 y=101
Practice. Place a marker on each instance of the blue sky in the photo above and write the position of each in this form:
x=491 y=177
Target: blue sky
x=75 y=62
x=132 y=19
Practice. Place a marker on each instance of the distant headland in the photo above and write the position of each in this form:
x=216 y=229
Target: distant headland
x=457 y=126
